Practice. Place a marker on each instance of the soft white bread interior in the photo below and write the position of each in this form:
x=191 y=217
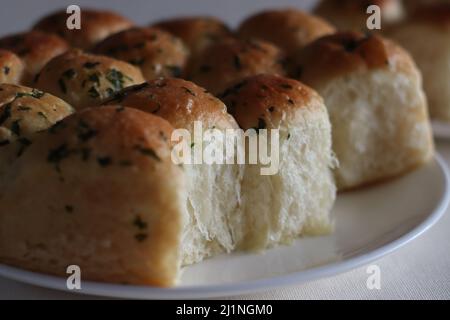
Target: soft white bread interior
x=352 y=15
x=289 y=29
x=432 y=56
x=213 y=198
x=377 y=106
x=84 y=80
x=98 y=190
x=298 y=198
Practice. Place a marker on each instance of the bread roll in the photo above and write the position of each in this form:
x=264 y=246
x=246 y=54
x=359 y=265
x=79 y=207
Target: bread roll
x=24 y=112
x=297 y=200
x=351 y=15
x=96 y=25
x=35 y=49
x=84 y=80
x=228 y=62
x=213 y=197
x=100 y=191
x=197 y=33
x=376 y=103
x=156 y=52
x=11 y=67
x=289 y=29
x=426 y=36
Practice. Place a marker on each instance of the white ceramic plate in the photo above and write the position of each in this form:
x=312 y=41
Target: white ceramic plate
x=369 y=224
x=441 y=130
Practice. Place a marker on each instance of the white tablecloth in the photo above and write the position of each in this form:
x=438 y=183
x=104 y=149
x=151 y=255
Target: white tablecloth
x=420 y=270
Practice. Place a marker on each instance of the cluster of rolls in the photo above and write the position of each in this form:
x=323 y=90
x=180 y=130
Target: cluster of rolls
x=86 y=118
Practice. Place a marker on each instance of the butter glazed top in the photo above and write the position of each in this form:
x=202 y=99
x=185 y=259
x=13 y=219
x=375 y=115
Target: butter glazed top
x=348 y=52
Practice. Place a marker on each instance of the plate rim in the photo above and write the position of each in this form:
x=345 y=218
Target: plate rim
x=244 y=287
x=441 y=129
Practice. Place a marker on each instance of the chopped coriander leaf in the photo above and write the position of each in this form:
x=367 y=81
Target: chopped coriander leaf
x=237 y=62
x=139 y=223
x=148 y=152
x=62 y=85
x=41 y=114
x=104 y=161
x=189 y=91
x=141 y=237
x=175 y=71
x=69 y=74
x=117 y=79
x=91 y=65
x=6 y=114
x=55 y=156
x=24 y=143
x=286 y=86
x=15 y=127
x=93 y=93
x=23 y=108
x=85 y=132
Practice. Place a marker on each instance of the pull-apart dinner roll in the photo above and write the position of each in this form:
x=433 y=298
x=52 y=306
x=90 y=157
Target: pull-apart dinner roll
x=289 y=29
x=230 y=61
x=24 y=112
x=35 y=49
x=426 y=35
x=96 y=25
x=297 y=200
x=11 y=67
x=84 y=80
x=213 y=198
x=377 y=107
x=156 y=52
x=197 y=33
x=98 y=190
x=351 y=15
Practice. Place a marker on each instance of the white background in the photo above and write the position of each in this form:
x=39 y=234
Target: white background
x=420 y=270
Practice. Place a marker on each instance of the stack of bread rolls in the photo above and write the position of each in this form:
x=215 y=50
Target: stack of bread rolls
x=88 y=175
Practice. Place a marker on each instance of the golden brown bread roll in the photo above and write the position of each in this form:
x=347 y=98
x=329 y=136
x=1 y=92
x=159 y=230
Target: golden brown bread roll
x=373 y=91
x=156 y=52
x=228 y=62
x=197 y=33
x=297 y=200
x=289 y=29
x=102 y=193
x=426 y=36
x=351 y=15
x=35 y=48
x=11 y=67
x=24 y=111
x=85 y=80
x=96 y=25
x=212 y=203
